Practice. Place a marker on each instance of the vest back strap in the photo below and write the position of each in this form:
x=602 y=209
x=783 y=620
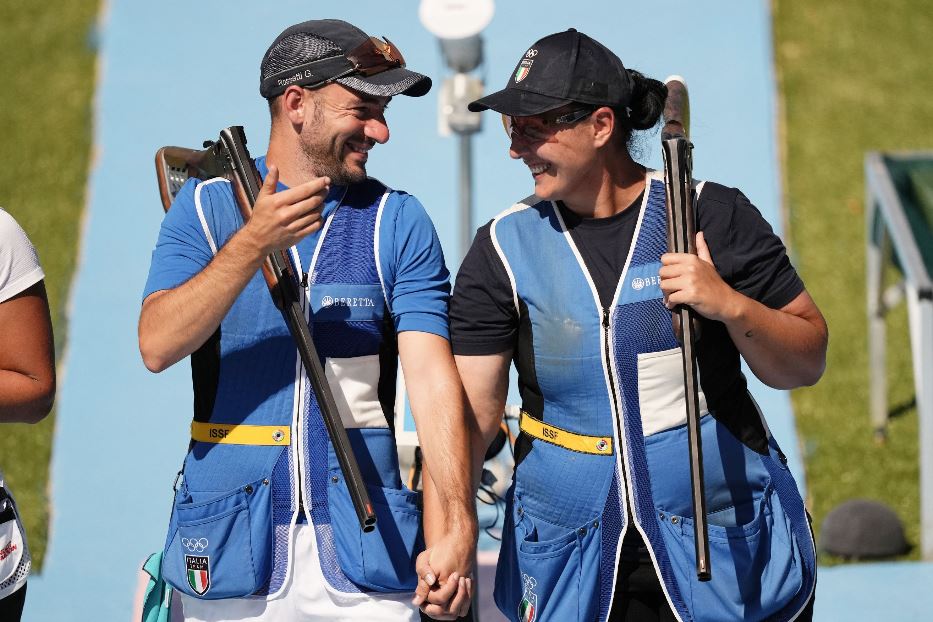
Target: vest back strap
x=240 y=434
x=598 y=445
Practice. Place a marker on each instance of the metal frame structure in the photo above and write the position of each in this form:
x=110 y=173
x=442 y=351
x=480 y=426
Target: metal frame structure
x=890 y=237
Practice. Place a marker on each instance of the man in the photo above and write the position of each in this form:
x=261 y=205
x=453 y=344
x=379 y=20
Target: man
x=575 y=285
x=27 y=387
x=262 y=526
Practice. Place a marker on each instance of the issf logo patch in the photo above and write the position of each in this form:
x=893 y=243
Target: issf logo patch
x=528 y=608
x=199 y=573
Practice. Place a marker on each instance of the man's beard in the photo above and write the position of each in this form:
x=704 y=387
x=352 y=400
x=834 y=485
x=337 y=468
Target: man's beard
x=325 y=163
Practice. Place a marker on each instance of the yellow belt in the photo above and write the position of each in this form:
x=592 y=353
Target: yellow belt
x=599 y=445
x=240 y=434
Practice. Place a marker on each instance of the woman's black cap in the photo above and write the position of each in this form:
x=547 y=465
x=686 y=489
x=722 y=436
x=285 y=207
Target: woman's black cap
x=559 y=69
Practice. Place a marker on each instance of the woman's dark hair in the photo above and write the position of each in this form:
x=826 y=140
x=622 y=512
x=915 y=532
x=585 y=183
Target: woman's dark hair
x=644 y=112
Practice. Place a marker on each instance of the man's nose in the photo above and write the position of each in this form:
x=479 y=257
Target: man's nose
x=378 y=130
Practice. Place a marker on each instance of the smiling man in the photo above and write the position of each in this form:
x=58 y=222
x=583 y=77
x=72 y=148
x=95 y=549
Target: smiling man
x=262 y=527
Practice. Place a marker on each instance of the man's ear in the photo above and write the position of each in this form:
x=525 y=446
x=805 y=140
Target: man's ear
x=604 y=120
x=293 y=104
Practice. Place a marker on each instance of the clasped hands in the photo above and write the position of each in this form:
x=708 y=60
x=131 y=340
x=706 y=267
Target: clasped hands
x=445 y=577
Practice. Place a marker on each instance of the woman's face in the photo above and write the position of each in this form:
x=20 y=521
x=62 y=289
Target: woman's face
x=558 y=149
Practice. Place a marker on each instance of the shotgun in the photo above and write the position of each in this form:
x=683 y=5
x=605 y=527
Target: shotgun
x=681 y=238
x=227 y=157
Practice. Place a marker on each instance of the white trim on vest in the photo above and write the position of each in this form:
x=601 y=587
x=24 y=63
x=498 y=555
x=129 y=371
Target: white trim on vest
x=379 y=211
x=524 y=204
x=200 y=211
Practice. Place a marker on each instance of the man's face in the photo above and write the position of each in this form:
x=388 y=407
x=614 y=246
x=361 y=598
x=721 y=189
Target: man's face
x=344 y=125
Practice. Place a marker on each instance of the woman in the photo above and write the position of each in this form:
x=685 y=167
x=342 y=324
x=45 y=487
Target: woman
x=27 y=387
x=575 y=285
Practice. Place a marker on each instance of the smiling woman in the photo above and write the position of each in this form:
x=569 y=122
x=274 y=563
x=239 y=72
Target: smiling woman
x=602 y=458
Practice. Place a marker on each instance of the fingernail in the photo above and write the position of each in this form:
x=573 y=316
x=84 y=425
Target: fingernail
x=430 y=579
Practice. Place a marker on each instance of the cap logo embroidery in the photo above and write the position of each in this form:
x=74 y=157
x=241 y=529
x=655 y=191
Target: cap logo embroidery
x=531 y=53
x=523 y=68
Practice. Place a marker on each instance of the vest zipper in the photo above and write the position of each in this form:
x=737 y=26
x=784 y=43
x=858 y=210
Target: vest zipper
x=612 y=387
x=299 y=444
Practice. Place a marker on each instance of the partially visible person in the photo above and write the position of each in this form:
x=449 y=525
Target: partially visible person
x=27 y=387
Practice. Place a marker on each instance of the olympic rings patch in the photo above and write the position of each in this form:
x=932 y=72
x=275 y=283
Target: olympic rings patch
x=195 y=545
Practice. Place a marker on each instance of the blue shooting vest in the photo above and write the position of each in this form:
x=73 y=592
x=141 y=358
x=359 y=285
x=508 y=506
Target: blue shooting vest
x=617 y=373
x=236 y=505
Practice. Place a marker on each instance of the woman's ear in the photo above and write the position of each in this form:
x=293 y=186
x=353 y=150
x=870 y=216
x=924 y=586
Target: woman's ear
x=604 y=120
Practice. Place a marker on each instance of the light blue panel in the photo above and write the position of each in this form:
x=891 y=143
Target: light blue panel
x=893 y=592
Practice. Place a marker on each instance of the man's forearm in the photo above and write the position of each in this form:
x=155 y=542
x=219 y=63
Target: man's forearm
x=174 y=323
x=446 y=446
x=437 y=404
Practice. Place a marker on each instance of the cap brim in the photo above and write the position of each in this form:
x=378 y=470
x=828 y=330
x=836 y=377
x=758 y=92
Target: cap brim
x=517 y=102
x=389 y=83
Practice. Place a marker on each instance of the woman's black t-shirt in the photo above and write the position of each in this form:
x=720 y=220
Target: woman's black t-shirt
x=748 y=255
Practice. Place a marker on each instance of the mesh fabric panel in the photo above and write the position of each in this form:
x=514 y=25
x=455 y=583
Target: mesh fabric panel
x=316 y=481
x=645 y=327
x=340 y=262
x=294 y=50
x=283 y=508
x=612 y=531
x=330 y=563
x=347 y=339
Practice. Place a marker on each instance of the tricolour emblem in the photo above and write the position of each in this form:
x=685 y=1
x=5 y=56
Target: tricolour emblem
x=523 y=68
x=528 y=608
x=199 y=573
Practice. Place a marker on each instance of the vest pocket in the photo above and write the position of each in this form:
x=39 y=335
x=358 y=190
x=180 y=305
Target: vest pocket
x=756 y=566
x=384 y=559
x=219 y=544
x=541 y=568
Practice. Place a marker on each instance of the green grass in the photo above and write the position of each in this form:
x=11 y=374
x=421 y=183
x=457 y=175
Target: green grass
x=854 y=77
x=47 y=64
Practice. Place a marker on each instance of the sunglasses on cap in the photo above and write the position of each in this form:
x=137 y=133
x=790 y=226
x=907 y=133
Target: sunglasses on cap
x=375 y=56
x=540 y=128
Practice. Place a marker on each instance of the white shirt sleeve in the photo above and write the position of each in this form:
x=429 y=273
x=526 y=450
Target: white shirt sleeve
x=19 y=262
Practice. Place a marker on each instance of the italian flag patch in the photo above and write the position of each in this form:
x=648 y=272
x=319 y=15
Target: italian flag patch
x=528 y=608
x=199 y=573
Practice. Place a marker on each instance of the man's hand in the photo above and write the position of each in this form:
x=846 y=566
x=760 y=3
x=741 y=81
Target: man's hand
x=174 y=323
x=282 y=219
x=445 y=584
